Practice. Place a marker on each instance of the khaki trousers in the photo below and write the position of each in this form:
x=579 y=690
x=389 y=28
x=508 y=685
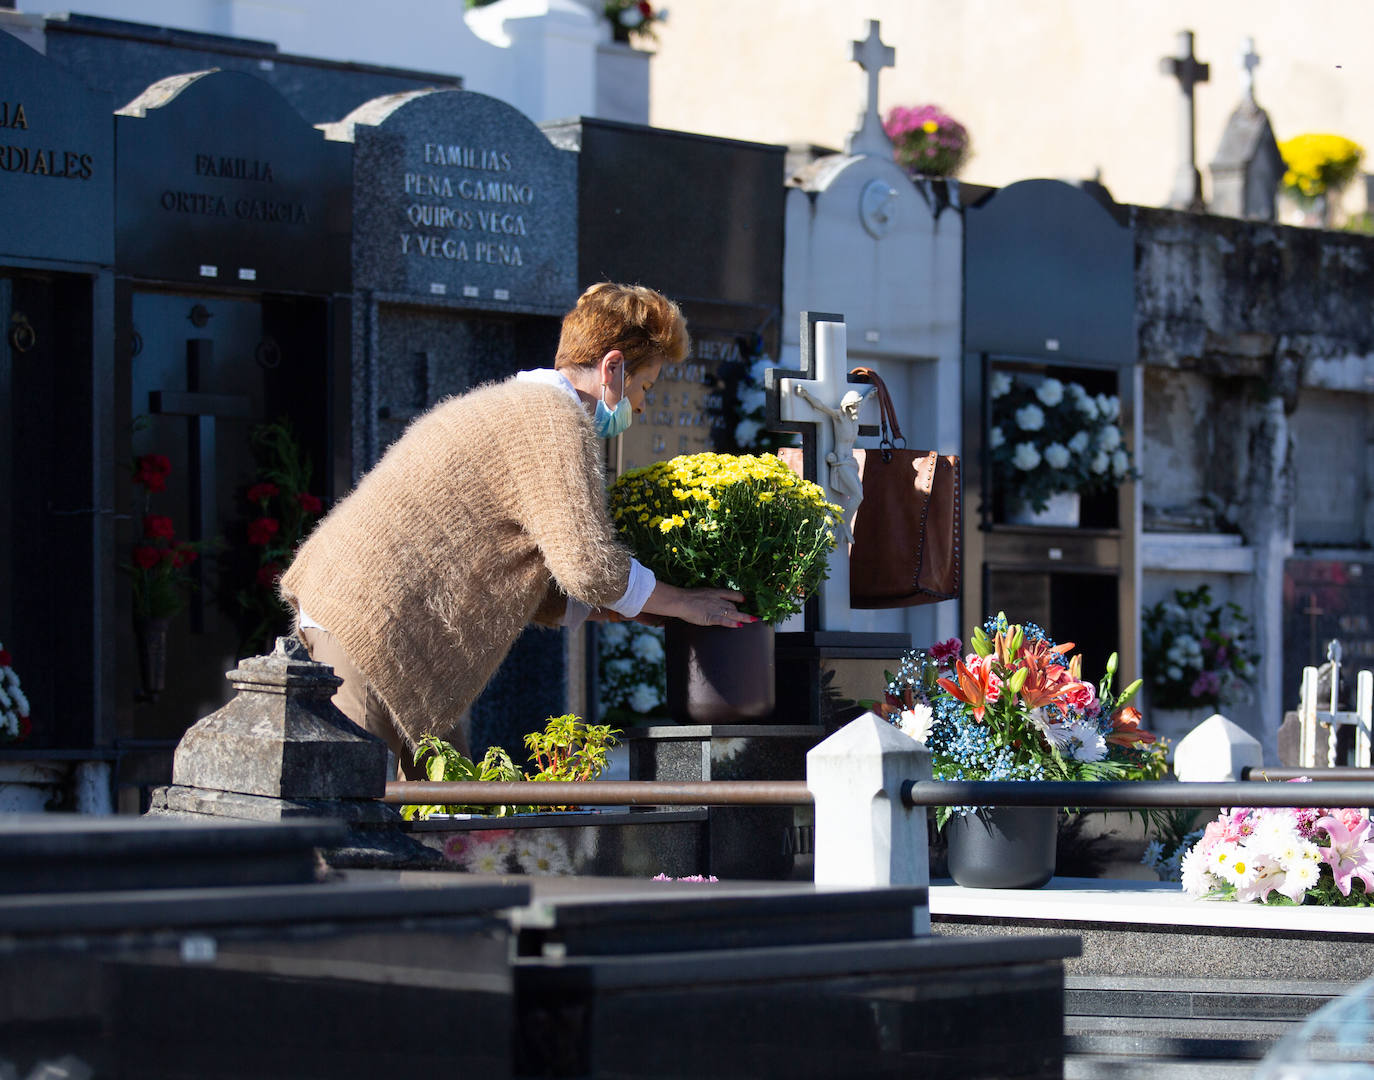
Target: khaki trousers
x=358 y=701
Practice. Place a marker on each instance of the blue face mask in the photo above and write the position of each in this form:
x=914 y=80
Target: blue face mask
x=611 y=422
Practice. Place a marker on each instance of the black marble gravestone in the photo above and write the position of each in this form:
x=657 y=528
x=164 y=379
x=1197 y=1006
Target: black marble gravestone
x=56 y=239
x=1049 y=288
x=232 y=252
x=56 y=161
x=169 y=948
x=221 y=182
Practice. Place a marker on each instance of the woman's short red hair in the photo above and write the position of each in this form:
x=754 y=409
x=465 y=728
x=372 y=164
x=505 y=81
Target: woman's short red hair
x=643 y=324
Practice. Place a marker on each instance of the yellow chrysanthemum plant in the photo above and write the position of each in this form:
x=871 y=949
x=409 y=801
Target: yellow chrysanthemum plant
x=743 y=522
x=1319 y=164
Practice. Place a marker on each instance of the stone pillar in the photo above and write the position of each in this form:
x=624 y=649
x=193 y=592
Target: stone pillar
x=280 y=749
x=1215 y=751
x=865 y=834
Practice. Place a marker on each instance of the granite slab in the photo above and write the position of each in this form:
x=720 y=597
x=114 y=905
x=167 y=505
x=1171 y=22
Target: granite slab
x=868 y=1009
x=61 y=853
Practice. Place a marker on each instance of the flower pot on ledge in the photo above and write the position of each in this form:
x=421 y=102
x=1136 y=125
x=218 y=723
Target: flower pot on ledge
x=1062 y=511
x=1003 y=847
x=718 y=674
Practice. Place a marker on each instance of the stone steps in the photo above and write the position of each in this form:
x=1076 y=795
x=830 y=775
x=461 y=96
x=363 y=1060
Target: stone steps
x=1107 y=1067
x=1121 y=1027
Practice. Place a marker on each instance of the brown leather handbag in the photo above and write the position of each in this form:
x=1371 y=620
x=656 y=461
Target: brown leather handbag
x=907 y=529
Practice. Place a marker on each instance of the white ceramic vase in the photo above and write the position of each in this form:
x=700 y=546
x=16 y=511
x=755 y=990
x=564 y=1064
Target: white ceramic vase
x=1061 y=511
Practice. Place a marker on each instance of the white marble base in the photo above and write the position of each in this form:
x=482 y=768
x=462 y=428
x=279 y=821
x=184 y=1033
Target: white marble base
x=1138 y=903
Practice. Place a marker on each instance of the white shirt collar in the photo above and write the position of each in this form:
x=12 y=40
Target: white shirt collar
x=550 y=377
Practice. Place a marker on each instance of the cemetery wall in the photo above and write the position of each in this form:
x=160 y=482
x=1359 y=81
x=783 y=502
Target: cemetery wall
x=1258 y=359
x=1231 y=315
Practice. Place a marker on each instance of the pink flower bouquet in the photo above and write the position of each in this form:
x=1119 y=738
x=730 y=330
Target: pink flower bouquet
x=1284 y=856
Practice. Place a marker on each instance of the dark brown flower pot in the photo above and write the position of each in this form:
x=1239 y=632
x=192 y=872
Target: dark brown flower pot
x=150 y=640
x=719 y=675
x=1003 y=847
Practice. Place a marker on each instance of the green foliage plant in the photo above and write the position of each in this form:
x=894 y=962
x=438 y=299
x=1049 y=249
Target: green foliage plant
x=567 y=749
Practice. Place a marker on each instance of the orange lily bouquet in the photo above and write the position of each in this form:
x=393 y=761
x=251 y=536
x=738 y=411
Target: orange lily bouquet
x=1016 y=707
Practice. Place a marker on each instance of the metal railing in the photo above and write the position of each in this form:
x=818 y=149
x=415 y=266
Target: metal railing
x=600 y=792
x=1284 y=772
x=1086 y=795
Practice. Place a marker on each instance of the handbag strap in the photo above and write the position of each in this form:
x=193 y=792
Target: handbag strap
x=892 y=431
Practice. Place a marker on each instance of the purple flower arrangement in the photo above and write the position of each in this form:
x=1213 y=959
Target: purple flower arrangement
x=926 y=141
x=1198 y=653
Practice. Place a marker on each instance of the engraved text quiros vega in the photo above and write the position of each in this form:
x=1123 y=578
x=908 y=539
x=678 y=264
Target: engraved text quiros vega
x=255 y=207
x=492 y=210
x=16 y=157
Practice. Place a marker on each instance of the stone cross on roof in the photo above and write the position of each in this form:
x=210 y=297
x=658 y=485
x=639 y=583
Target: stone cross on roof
x=1189 y=72
x=1249 y=60
x=871 y=55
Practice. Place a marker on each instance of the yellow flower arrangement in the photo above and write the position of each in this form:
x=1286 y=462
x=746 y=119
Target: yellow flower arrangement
x=1318 y=164
x=744 y=522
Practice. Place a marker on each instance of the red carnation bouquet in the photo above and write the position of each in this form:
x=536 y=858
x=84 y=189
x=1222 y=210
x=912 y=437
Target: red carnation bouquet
x=159 y=563
x=280 y=511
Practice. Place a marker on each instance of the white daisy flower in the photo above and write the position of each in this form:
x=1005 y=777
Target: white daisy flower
x=917 y=721
x=1193 y=870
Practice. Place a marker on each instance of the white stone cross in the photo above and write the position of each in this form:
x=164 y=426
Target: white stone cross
x=1189 y=72
x=1249 y=60
x=825 y=364
x=871 y=55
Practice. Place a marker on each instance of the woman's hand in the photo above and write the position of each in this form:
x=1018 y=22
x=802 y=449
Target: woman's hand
x=703 y=607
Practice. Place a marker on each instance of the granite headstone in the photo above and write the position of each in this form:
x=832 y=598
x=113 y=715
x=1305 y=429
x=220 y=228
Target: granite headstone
x=460 y=196
x=221 y=182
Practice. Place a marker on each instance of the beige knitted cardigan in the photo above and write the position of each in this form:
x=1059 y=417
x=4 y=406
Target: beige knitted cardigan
x=429 y=570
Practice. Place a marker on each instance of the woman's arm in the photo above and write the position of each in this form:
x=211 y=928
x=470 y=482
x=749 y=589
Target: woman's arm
x=704 y=607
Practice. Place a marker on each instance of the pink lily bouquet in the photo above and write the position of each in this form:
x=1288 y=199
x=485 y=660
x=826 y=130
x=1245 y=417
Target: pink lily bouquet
x=1284 y=856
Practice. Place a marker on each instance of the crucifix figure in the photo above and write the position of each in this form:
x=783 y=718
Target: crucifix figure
x=844 y=484
x=799 y=401
x=1189 y=72
x=871 y=55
